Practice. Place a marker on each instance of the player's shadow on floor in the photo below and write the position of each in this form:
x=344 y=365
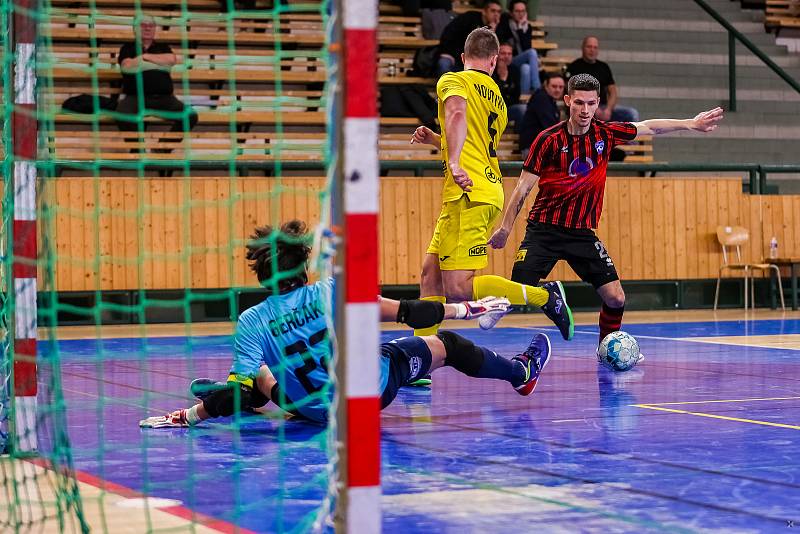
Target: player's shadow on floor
x=273 y=428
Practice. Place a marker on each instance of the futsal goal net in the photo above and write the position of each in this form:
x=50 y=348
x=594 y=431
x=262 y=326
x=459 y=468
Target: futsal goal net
x=143 y=142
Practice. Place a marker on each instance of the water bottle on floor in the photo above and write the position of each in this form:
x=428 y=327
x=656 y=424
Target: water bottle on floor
x=773 y=248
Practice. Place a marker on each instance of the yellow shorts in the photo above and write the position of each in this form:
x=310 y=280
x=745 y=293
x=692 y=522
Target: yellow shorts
x=461 y=234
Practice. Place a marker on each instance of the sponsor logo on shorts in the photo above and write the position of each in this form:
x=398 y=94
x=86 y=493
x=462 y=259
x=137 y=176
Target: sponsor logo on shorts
x=491 y=176
x=478 y=250
x=521 y=253
x=415 y=365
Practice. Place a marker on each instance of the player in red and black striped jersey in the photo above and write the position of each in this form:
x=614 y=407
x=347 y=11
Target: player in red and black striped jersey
x=569 y=162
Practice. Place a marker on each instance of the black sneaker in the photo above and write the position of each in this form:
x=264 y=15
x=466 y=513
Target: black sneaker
x=557 y=309
x=200 y=388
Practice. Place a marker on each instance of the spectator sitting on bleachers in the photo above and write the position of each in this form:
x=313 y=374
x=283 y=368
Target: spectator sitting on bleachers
x=589 y=64
x=154 y=66
x=542 y=111
x=515 y=29
x=451 y=45
x=506 y=75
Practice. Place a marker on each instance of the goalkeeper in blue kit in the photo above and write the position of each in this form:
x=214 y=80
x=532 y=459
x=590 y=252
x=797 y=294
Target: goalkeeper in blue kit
x=282 y=345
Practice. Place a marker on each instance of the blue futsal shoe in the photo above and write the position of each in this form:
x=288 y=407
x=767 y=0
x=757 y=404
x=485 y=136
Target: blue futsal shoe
x=533 y=359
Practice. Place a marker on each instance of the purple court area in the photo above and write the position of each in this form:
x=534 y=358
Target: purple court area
x=589 y=451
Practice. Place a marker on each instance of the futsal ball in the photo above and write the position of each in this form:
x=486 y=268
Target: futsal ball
x=618 y=351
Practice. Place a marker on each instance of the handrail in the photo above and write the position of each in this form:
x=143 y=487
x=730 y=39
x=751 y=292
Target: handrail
x=733 y=35
x=757 y=172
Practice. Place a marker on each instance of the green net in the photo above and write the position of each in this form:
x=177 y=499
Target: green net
x=146 y=199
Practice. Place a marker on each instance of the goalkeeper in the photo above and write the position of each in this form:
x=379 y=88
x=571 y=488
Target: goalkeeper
x=282 y=346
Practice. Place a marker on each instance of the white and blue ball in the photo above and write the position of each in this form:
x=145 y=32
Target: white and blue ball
x=619 y=351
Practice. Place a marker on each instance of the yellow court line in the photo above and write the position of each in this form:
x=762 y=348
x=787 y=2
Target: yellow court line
x=700 y=414
x=713 y=401
x=768 y=341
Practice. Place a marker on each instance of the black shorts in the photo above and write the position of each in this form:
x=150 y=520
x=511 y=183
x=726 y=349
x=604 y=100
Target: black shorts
x=409 y=359
x=545 y=244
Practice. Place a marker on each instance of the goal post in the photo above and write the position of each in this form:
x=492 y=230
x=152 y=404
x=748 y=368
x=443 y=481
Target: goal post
x=118 y=227
x=360 y=504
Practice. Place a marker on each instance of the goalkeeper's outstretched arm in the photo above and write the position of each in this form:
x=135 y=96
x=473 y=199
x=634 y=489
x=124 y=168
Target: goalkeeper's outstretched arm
x=224 y=401
x=425 y=313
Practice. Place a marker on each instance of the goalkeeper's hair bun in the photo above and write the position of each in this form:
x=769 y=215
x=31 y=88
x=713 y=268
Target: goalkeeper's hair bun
x=280 y=255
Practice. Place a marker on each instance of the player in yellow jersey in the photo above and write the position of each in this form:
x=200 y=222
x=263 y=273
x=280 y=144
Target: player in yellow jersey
x=473 y=116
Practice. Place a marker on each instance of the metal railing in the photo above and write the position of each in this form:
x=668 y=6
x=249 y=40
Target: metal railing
x=757 y=173
x=733 y=36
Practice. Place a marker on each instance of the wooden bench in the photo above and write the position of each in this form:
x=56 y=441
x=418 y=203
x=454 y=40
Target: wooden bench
x=782 y=14
x=210 y=6
x=247 y=32
x=193 y=5
x=165 y=12
x=244 y=119
x=287 y=100
x=71 y=64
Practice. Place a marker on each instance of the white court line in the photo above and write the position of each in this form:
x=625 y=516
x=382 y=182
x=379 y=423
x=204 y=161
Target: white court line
x=567 y=420
x=714 y=341
x=637 y=336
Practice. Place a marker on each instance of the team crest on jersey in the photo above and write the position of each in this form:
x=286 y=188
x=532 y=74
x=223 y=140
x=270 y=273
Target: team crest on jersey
x=580 y=167
x=599 y=146
x=491 y=176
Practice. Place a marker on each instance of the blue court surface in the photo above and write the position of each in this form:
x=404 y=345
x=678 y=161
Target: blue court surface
x=703 y=436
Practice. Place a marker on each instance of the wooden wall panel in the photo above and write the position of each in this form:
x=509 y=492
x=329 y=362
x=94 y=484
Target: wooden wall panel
x=126 y=233
x=169 y=233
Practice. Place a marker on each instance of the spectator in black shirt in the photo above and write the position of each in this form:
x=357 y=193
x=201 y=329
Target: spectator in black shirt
x=451 y=45
x=506 y=75
x=515 y=29
x=153 y=67
x=609 y=109
x=542 y=111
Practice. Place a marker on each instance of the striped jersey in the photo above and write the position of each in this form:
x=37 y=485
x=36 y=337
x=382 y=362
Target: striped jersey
x=572 y=172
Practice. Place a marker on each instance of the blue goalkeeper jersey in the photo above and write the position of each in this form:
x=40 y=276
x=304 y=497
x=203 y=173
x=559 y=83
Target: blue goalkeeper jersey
x=289 y=333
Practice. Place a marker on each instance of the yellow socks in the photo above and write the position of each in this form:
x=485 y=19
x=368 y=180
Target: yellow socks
x=431 y=330
x=518 y=294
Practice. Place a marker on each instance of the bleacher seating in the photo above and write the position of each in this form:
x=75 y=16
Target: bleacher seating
x=232 y=86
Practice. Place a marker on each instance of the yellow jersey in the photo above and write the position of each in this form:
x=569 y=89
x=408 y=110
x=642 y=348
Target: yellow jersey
x=486 y=121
